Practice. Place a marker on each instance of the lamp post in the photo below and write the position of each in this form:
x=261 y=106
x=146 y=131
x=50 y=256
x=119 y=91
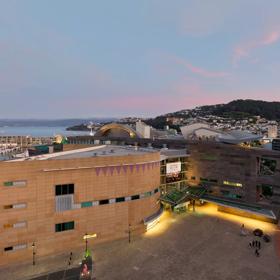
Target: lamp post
x=86 y=239
x=33 y=252
x=129 y=233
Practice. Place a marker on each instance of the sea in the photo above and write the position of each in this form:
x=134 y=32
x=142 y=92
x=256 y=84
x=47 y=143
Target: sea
x=38 y=131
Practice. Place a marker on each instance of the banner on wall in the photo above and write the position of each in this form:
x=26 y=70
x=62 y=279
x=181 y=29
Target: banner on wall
x=173 y=168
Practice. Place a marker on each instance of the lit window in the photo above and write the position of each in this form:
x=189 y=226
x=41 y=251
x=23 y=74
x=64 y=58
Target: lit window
x=233 y=184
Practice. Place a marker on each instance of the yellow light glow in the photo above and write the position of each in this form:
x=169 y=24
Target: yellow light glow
x=227 y=183
x=166 y=220
x=88 y=236
x=211 y=210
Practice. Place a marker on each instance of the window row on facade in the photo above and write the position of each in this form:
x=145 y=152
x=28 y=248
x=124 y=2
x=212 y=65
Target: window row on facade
x=118 y=199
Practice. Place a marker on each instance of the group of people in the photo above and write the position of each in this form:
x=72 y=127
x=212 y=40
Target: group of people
x=256 y=244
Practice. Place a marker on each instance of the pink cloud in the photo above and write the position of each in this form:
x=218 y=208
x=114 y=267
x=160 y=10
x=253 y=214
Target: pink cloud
x=198 y=70
x=271 y=38
x=245 y=49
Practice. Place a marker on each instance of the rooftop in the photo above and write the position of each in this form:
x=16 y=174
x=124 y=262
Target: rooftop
x=238 y=136
x=94 y=151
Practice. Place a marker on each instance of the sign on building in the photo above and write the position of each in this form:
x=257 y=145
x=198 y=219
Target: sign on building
x=173 y=168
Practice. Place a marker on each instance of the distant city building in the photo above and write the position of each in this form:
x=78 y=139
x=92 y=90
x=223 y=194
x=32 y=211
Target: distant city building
x=188 y=131
x=143 y=129
x=272 y=131
x=116 y=130
x=201 y=131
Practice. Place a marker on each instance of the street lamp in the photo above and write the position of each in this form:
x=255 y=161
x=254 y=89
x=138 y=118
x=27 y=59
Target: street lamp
x=88 y=236
x=33 y=253
x=129 y=233
x=86 y=239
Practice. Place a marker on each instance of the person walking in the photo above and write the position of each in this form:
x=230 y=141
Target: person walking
x=257 y=253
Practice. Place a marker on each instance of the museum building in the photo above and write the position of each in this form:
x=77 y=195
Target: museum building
x=49 y=203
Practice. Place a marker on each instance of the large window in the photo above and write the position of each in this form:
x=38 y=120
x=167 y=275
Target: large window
x=265 y=191
x=267 y=166
x=64 y=189
x=64 y=226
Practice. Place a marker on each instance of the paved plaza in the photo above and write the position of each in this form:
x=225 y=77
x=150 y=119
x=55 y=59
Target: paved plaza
x=205 y=245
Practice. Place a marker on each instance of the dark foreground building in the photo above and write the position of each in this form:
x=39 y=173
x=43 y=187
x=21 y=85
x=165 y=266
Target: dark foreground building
x=276 y=144
x=237 y=177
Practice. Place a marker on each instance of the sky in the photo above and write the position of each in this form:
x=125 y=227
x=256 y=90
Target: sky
x=89 y=58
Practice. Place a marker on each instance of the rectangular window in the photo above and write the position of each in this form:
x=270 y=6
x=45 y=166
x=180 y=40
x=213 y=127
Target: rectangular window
x=213 y=180
x=156 y=190
x=120 y=199
x=64 y=189
x=203 y=179
x=7 y=226
x=104 y=201
x=58 y=190
x=15 y=206
x=16 y=247
x=147 y=194
x=15 y=184
x=64 y=226
x=134 y=197
x=19 y=205
x=86 y=204
x=20 y=225
x=112 y=200
x=193 y=178
x=8 y=248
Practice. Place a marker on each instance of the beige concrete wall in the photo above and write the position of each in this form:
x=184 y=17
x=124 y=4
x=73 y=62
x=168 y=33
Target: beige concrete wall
x=109 y=221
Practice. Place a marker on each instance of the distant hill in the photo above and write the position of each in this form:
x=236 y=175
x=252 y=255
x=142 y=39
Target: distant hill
x=236 y=109
x=239 y=108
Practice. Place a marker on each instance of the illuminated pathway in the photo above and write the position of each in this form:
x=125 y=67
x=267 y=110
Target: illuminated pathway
x=211 y=210
x=204 y=245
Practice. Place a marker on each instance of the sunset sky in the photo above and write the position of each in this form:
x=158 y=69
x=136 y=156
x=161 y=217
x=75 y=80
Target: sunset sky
x=90 y=58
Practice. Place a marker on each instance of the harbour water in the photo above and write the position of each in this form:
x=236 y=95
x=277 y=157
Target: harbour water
x=38 y=131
